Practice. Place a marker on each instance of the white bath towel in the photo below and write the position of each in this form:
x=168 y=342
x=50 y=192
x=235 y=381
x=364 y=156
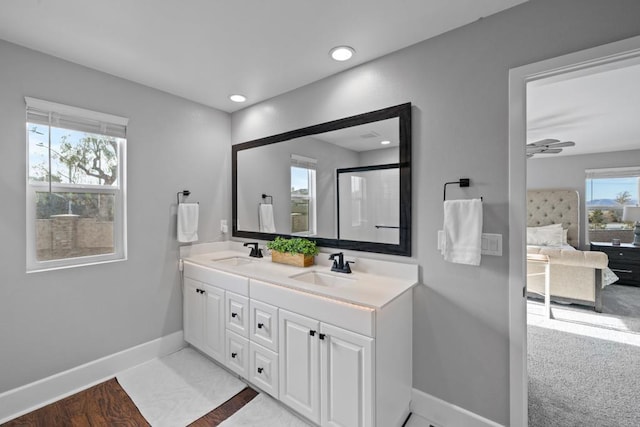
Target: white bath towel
x=462 y=231
x=188 y=222
x=265 y=213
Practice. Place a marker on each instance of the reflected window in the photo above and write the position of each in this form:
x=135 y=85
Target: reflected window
x=303 y=195
x=358 y=195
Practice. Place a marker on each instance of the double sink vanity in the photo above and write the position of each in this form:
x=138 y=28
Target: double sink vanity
x=334 y=347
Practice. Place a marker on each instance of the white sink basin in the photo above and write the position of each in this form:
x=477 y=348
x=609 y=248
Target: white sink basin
x=234 y=260
x=323 y=279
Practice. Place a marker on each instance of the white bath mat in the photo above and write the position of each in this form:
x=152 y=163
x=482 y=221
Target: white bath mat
x=178 y=389
x=263 y=411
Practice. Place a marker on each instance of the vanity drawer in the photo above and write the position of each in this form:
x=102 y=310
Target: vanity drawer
x=263 y=324
x=237 y=313
x=226 y=281
x=263 y=369
x=237 y=354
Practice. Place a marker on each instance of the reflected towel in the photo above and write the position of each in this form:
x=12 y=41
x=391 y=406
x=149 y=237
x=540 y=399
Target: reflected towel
x=462 y=231
x=188 y=222
x=265 y=214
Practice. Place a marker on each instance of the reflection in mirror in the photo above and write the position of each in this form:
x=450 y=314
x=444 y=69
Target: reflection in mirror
x=340 y=183
x=368 y=198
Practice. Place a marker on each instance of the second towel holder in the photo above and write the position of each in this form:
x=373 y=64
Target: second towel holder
x=463 y=182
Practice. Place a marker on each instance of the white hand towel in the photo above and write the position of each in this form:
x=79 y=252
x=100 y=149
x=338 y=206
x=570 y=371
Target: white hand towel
x=188 y=222
x=462 y=231
x=267 y=224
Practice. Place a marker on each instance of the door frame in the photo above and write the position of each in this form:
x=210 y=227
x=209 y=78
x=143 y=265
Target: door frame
x=518 y=79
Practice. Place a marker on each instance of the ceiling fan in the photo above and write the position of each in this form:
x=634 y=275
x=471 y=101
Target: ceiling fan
x=547 y=146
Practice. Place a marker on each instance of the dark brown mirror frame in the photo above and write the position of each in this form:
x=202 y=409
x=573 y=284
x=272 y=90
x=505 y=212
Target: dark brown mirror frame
x=403 y=113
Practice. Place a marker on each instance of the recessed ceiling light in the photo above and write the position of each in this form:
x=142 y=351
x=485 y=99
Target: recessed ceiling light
x=385 y=142
x=237 y=98
x=342 y=53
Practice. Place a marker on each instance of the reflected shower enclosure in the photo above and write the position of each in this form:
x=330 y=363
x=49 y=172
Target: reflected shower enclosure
x=367 y=203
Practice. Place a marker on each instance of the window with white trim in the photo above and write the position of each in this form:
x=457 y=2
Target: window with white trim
x=607 y=192
x=303 y=195
x=76 y=213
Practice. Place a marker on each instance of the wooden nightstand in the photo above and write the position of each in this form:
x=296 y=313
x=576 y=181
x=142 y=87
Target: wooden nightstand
x=624 y=260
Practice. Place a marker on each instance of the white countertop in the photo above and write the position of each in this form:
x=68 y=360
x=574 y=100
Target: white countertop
x=373 y=283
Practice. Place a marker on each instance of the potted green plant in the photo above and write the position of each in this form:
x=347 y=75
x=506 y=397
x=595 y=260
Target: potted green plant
x=295 y=251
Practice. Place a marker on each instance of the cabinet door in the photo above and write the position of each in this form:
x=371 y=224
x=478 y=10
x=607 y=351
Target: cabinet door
x=237 y=314
x=237 y=358
x=263 y=368
x=299 y=364
x=264 y=324
x=213 y=336
x=193 y=312
x=346 y=372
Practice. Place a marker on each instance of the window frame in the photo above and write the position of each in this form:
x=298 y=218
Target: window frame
x=606 y=173
x=119 y=191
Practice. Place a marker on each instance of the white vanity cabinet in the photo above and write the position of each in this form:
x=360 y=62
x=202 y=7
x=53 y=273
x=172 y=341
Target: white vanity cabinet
x=326 y=372
x=337 y=363
x=204 y=325
x=208 y=297
x=300 y=364
x=346 y=377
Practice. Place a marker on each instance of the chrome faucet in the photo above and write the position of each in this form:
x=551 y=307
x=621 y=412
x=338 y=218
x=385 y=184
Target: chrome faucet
x=340 y=265
x=255 y=251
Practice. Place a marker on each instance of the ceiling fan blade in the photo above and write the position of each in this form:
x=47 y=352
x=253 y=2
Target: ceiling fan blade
x=535 y=150
x=550 y=151
x=562 y=144
x=543 y=142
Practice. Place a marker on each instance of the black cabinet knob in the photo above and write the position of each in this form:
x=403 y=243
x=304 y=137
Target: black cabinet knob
x=312 y=333
x=260 y=325
x=233 y=355
x=260 y=370
x=321 y=336
x=234 y=314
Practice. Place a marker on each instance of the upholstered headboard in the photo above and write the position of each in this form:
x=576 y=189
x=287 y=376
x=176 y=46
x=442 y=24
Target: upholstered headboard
x=546 y=207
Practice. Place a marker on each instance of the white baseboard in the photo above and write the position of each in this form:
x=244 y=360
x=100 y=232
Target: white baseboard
x=445 y=414
x=29 y=397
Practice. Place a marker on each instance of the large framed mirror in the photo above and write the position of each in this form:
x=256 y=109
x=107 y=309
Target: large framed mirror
x=344 y=184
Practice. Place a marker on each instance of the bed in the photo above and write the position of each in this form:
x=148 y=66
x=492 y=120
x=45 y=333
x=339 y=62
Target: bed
x=553 y=231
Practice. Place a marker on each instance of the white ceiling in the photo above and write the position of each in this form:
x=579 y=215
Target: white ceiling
x=598 y=108
x=205 y=50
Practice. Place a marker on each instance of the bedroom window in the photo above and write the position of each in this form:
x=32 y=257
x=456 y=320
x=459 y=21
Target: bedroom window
x=607 y=192
x=75 y=186
x=303 y=195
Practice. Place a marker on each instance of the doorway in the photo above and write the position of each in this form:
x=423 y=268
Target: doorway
x=519 y=79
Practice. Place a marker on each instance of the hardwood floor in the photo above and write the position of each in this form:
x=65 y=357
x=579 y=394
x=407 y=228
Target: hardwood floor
x=107 y=404
x=225 y=410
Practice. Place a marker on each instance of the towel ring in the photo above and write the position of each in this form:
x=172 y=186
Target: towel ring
x=463 y=182
x=266 y=196
x=185 y=193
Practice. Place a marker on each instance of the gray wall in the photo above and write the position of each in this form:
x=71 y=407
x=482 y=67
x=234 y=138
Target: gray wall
x=380 y=157
x=458 y=84
x=568 y=172
x=53 y=321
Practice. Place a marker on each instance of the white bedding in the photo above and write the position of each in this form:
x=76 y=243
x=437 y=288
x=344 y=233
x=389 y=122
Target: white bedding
x=608 y=276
